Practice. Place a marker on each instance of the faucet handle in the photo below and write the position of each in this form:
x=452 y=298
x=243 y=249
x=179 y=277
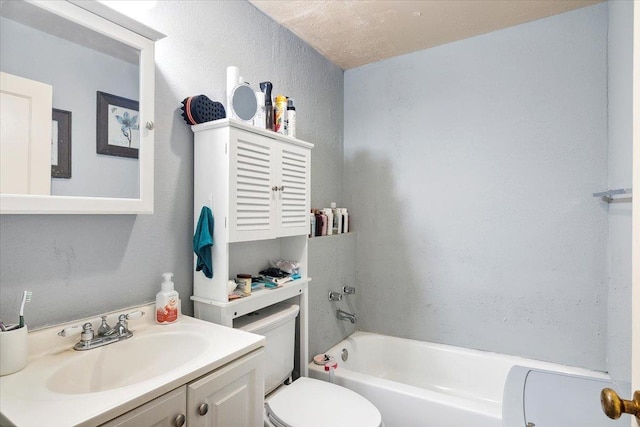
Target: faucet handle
x=71 y=330
x=134 y=315
x=335 y=296
x=349 y=290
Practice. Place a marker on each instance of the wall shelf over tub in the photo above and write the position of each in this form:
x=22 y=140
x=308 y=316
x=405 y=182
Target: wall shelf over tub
x=608 y=196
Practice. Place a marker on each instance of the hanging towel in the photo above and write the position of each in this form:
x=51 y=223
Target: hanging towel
x=203 y=241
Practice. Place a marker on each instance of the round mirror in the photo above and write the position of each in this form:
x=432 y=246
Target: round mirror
x=244 y=104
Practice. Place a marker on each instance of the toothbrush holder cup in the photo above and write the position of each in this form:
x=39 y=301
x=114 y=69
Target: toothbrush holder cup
x=14 y=350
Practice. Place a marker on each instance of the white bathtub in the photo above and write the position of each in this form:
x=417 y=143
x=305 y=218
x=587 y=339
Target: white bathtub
x=416 y=383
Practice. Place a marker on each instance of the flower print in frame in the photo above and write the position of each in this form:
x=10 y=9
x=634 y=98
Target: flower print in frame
x=118 y=126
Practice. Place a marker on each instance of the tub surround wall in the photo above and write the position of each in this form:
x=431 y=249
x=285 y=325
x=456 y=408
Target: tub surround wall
x=470 y=168
x=79 y=265
x=333 y=267
x=620 y=55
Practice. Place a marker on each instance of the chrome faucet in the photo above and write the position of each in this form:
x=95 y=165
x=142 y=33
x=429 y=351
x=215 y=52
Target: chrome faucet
x=343 y=315
x=106 y=334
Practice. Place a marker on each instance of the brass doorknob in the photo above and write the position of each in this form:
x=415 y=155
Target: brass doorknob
x=614 y=407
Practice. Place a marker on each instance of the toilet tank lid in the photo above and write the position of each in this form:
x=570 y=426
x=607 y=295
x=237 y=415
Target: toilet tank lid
x=267 y=317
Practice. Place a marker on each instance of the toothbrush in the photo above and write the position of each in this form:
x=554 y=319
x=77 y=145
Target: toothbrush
x=26 y=297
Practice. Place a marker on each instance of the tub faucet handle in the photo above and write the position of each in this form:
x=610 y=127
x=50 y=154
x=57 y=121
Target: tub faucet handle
x=348 y=290
x=335 y=296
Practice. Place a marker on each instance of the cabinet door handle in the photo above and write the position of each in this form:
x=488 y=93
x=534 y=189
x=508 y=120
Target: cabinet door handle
x=150 y=125
x=179 y=421
x=203 y=409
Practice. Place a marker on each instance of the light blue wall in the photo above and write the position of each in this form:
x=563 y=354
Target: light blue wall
x=470 y=168
x=620 y=175
x=80 y=265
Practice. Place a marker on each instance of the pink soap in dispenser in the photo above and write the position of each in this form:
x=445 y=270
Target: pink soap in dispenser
x=167 y=302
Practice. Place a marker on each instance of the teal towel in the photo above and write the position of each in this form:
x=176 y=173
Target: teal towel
x=203 y=241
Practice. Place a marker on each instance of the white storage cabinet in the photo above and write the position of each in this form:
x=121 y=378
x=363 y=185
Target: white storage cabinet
x=257 y=184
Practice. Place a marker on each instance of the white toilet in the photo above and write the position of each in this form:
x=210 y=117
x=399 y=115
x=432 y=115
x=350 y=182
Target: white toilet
x=306 y=402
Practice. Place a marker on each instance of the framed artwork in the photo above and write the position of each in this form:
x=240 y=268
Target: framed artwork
x=118 y=126
x=60 y=143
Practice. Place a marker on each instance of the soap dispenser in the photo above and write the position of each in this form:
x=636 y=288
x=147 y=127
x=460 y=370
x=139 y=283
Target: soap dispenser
x=167 y=302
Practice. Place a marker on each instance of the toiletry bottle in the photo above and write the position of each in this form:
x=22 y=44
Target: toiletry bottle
x=290 y=121
x=266 y=87
x=345 y=220
x=318 y=222
x=312 y=221
x=167 y=302
x=245 y=280
x=324 y=223
x=260 y=119
x=233 y=77
x=280 y=114
x=329 y=214
x=337 y=219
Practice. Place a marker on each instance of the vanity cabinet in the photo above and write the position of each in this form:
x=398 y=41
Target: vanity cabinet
x=230 y=396
x=165 y=411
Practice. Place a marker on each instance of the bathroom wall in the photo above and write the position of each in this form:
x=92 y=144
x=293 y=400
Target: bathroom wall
x=620 y=55
x=80 y=265
x=470 y=169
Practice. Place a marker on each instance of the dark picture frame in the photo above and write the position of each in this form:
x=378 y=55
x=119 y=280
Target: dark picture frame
x=60 y=143
x=118 y=126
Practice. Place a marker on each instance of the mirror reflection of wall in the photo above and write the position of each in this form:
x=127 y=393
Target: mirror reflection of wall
x=76 y=73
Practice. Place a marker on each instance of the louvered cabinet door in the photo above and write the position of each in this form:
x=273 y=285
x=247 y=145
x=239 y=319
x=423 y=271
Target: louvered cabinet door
x=293 y=184
x=252 y=199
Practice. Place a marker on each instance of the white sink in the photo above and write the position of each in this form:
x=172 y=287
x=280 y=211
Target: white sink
x=126 y=362
x=61 y=386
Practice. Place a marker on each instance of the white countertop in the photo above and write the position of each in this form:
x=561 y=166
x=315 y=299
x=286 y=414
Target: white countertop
x=26 y=400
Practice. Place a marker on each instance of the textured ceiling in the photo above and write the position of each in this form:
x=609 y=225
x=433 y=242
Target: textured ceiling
x=352 y=33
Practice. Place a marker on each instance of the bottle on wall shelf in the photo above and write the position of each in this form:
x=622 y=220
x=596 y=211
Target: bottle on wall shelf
x=329 y=214
x=345 y=220
x=290 y=120
x=167 y=301
x=337 y=219
x=312 y=222
x=318 y=223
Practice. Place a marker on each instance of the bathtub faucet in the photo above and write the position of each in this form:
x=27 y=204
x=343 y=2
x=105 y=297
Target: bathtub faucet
x=343 y=315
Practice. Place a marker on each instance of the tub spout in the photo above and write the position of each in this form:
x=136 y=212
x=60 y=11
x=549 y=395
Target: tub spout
x=343 y=315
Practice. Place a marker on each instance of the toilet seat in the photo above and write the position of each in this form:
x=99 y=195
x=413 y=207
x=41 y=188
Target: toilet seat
x=314 y=403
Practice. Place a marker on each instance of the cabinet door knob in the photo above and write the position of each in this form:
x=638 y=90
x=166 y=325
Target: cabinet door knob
x=149 y=125
x=281 y=188
x=203 y=409
x=179 y=421
x=274 y=188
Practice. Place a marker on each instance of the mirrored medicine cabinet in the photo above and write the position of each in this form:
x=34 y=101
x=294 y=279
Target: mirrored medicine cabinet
x=77 y=105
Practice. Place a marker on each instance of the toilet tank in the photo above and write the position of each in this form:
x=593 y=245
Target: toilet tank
x=278 y=324
x=536 y=397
